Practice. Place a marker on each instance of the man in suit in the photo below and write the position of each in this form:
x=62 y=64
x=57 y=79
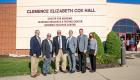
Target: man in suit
x=59 y=43
x=35 y=52
x=71 y=50
x=82 y=42
x=47 y=50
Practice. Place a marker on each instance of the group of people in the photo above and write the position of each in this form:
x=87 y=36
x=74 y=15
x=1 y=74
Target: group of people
x=131 y=44
x=64 y=50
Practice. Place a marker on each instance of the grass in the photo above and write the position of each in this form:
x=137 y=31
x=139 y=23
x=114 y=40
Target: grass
x=15 y=66
x=10 y=66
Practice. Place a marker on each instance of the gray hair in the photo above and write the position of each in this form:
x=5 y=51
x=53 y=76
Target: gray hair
x=70 y=31
x=58 y=30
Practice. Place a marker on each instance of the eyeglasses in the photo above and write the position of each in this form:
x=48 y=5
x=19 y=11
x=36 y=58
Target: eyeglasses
x=49 y=35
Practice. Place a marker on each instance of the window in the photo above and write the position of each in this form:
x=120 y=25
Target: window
x=126 y=26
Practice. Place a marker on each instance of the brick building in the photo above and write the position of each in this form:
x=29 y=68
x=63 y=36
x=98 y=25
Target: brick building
x=18 y=20
x=8 y=30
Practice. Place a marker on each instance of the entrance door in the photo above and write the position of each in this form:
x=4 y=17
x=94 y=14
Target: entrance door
x=128 y=29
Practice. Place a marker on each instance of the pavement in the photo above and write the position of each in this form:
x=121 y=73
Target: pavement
x=130 y=71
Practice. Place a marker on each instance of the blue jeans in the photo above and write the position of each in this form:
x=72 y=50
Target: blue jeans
x=46 y=65
x=72 y=60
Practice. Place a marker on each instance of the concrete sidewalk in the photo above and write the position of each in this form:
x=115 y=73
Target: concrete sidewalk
x=131 y=71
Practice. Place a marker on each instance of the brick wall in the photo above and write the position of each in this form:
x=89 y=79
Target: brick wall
x=8 y=30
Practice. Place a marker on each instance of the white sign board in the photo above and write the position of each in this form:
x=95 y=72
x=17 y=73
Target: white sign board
x=48 y=16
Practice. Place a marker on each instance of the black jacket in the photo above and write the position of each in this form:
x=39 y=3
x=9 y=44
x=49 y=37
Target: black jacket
x=45 y=47
x=56 y=44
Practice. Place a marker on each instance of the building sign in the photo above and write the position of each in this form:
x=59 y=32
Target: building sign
x=48 y=16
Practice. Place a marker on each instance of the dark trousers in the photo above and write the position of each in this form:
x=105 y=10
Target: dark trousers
x=82 y=61
x=92 y=60
x=127 y=48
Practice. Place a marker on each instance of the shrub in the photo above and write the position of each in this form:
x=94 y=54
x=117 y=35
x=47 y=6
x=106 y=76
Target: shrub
x=113 y=46
x=109 y=59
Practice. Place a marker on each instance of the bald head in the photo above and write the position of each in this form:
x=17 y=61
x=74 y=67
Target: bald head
x=49 y=36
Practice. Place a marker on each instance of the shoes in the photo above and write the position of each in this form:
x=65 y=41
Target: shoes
x=72 y=71
x=33 y=76
x=92 y=71
x=78 y=70
x=64 y=71
x=83 y=71
x=44 y=74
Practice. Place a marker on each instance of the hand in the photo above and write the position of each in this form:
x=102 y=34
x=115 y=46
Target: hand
x=85 y=51
x=54 y=55
x=34 y=55
x=94 y=54
x=44 y=57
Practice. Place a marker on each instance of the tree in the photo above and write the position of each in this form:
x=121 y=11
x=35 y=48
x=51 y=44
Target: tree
x=113 y=45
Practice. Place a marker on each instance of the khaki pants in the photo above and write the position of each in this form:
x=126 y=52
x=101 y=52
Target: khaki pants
x=60 y=56
x=34 y=65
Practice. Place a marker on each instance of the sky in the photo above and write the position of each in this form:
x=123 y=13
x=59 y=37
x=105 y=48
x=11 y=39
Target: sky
x=7 y=1
x=117 y=1
x=125 y=1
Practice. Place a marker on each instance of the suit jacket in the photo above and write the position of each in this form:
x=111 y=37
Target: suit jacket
x=35 y=47
x=82 y=42
x=56 y=44
x=45 y=47
x=72 y=44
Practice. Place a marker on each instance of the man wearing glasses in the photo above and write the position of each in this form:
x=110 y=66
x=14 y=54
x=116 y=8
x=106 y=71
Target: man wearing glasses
x=47 y=50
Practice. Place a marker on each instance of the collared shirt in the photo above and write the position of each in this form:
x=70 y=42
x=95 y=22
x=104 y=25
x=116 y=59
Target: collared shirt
x=60 y=41
x=50 y=43
x=39 y=40
x=68 y=40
